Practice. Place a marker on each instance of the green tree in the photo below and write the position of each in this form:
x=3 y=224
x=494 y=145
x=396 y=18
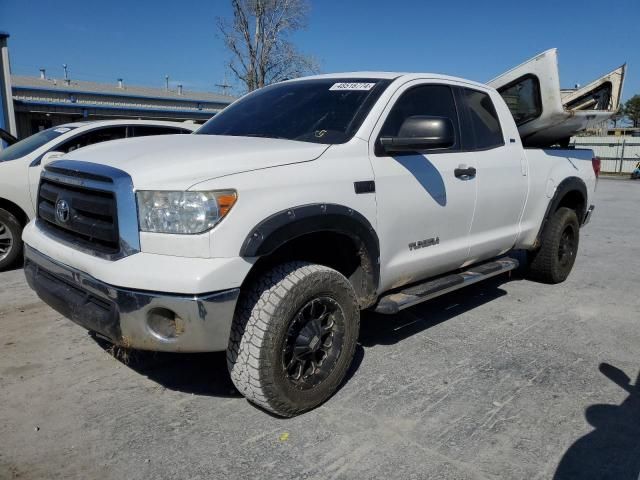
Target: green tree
x=631 y=110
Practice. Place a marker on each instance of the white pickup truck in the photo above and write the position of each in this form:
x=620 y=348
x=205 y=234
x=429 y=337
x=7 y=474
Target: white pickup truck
x=268 y=231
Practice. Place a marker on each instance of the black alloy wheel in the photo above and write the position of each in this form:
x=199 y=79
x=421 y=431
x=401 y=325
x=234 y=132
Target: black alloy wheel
x=567 y=247
x=314 y=342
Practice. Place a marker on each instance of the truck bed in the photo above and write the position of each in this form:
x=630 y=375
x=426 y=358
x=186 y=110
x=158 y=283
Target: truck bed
x=546 y=169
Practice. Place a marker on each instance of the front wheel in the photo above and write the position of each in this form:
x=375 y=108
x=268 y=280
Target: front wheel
x=553 y=262
x=10 y=239
x=293 y=337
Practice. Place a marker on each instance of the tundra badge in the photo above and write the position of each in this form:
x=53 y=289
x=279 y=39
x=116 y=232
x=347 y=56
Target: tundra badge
x=424 y=243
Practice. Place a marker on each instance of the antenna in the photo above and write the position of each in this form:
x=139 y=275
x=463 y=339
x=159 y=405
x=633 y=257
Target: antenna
x=67 y=80
x=224 y=85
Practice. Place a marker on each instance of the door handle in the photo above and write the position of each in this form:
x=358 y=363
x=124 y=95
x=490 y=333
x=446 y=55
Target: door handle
x=464 y=172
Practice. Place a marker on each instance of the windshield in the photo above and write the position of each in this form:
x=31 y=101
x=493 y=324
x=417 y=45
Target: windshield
x=29 y=144
x=320 y=111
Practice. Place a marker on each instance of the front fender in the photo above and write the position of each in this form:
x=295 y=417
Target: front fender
x=286 y=225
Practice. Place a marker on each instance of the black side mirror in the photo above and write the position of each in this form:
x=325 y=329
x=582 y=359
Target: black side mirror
x=421 y=132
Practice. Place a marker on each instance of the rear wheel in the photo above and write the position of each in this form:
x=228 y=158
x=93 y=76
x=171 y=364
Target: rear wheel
x=553 y=262
x=10 y=239
x=293 y=337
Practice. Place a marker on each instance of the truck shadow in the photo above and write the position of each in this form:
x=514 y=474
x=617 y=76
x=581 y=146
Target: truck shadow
x=206 y=373
x=196 y=373
x=377 y=329
x=427 y=175
x=612 y=450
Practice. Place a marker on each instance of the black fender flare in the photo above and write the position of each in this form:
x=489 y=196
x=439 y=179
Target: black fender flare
x=568 y=185
x=279 y=228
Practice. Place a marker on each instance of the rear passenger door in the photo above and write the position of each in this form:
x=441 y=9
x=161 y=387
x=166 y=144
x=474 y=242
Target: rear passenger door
x=501 y=180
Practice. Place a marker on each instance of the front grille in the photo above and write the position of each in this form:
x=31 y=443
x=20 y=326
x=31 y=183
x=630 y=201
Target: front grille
x=88 y=216
x=78 y=174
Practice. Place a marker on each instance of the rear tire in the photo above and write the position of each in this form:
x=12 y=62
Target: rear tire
x=293 y=337
x=553 y=262
x=10 y=239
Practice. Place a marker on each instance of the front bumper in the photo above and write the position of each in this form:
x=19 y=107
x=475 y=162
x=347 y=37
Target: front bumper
x=137 y=319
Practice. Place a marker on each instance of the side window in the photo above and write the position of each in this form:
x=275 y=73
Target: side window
x=146 y=130
x=94 y=136
x=523 y=98
x=432 y=100
x=482 y=119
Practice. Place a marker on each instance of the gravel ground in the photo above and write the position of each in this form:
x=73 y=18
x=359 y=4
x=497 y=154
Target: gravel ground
x=507 y=379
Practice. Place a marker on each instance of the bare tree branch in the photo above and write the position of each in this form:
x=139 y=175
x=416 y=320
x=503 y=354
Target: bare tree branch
x=258 y=39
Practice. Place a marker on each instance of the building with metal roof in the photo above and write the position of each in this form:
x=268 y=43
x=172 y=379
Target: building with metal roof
x=33 y=103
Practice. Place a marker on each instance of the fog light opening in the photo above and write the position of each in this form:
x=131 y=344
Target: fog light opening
x=165 y=323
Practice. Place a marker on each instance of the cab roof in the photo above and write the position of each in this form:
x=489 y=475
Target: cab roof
x=402 y=76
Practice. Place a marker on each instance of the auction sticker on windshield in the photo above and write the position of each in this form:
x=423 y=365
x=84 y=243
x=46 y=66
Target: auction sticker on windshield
x=352 y=86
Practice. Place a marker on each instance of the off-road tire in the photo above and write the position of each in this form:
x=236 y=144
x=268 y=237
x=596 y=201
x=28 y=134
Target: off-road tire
x=260 y=330
x=10 y=222
x=546 y=264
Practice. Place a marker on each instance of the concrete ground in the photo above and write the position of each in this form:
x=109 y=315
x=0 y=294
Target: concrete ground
x=509 y=379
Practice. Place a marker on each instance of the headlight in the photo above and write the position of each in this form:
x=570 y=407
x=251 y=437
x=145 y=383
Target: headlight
x=183 y=212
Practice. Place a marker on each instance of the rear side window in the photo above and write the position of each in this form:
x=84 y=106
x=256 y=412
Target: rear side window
x=522 y=96
x=482 y=122
x=146 y=130
x=430 y=100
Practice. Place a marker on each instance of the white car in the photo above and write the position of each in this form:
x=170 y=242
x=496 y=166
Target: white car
x=268 y=230
x=22 y=162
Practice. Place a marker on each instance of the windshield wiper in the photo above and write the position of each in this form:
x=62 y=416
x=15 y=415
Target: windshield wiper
x=263 y=135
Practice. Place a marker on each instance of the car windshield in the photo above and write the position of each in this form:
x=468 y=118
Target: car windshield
x=324 y=110
x=29 y=144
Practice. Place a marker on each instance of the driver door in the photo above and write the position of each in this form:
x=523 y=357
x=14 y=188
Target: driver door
x=424 y=210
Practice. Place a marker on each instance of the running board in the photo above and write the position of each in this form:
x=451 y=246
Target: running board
x=394 y=302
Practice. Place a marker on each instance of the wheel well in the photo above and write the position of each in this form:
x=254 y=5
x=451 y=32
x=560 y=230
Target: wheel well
x=575 y=201
x=571 y=193
x=15 y=210
x=339 y=251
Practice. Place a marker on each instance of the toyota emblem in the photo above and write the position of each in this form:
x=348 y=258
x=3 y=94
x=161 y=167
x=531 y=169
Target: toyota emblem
x=62 y=211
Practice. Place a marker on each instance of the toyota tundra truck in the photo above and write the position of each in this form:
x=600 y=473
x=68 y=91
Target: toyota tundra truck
x=266 y=232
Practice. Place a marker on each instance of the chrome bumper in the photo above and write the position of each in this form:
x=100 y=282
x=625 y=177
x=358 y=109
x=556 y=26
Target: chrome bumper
x=136 y=319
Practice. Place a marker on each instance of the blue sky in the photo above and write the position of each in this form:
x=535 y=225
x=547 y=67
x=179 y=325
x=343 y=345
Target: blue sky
x=143 y=40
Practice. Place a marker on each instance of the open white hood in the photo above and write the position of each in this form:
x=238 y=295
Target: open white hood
x=546 y=114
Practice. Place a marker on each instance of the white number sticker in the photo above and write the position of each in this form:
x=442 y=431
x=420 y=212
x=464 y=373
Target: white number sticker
x=352 y=86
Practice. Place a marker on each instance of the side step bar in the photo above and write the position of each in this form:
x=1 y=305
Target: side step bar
x=394 y=302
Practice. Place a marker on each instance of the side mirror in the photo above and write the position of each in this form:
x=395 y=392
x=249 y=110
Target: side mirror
x=50 y=157
x=421 y=132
